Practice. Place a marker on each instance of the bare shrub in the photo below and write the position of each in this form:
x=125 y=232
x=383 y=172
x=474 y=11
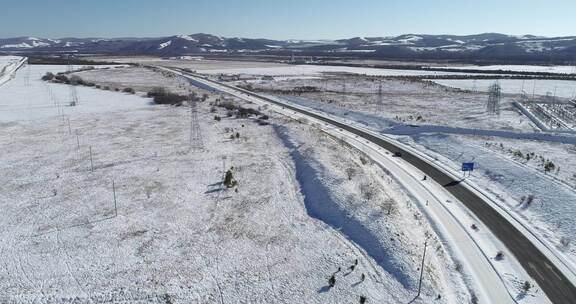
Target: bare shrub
x=161 y=96
x=458 y=266
x=48 y=76
x=529 y=200
x=350 y=172
x=526 y=286
x=367 y=191
x=565 y=242
x=229 y=180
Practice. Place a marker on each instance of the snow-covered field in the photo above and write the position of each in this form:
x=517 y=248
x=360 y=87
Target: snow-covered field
x=555 y=69
x=510 y=273
x=305 y=207
x=307 y=70
x=510 y=179
x=140 y=79
x=411 y=102
x=28 y=98
x=560 y=88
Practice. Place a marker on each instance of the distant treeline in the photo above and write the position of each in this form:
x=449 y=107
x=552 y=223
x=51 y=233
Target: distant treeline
x=482 y=57
x=521 y=77
x=447 y=69
x=51 y=60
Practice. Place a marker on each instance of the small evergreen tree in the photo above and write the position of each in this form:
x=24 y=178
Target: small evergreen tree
x=332 y=281
x=229 y=181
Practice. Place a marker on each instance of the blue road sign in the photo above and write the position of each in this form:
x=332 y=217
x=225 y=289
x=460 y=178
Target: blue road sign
x=467 y=167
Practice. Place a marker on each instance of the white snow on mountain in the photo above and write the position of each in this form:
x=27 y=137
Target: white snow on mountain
x=165 y=44
x=25 y=45
x=187 y=37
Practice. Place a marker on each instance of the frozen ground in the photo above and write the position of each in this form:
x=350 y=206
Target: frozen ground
x=443 y=211
x=28 y=98
x=175 y=235
x=140 y=79
x=534 y=153
x=562 y=88
x=411 y=102
x=500 y=172
x=349 y=197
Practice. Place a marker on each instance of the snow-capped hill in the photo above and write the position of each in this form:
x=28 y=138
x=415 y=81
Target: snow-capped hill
x=186 y=37
x=25 y=43
x=487 y=46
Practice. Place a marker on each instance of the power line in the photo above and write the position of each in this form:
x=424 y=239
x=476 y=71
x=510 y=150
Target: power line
x=380 y=99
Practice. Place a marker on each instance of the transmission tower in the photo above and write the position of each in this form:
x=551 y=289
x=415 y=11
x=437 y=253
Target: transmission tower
x=494 y=96
x=73 y=94
x=196 y=143
x=27 y=76
x=344 y=90
x=326 y=96
x=380 y=105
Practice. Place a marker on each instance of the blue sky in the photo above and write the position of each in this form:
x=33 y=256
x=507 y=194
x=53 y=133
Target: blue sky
x=285 y=19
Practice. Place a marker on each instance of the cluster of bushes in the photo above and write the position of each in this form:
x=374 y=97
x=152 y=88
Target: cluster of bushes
x=86 y=68
x=306 y=89
x=76 y=80
x=48 y=77
x=161 y=96
x=547 y=164
x=240 y=111
x=62 y=78
x=294 y=91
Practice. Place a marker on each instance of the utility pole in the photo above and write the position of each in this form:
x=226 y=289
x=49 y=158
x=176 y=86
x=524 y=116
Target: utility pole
x=344 y=89
x=91 y=163
x=72 y=86
x=77 y=139
x=422 y=268
x=114 y=193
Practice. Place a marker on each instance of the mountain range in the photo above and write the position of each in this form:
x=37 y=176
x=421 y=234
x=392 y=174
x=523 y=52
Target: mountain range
x=488 y=46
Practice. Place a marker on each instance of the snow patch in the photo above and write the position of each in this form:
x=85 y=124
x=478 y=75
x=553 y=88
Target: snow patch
x=165 y=44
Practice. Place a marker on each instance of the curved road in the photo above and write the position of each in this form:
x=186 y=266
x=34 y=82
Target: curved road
x=556 y=286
